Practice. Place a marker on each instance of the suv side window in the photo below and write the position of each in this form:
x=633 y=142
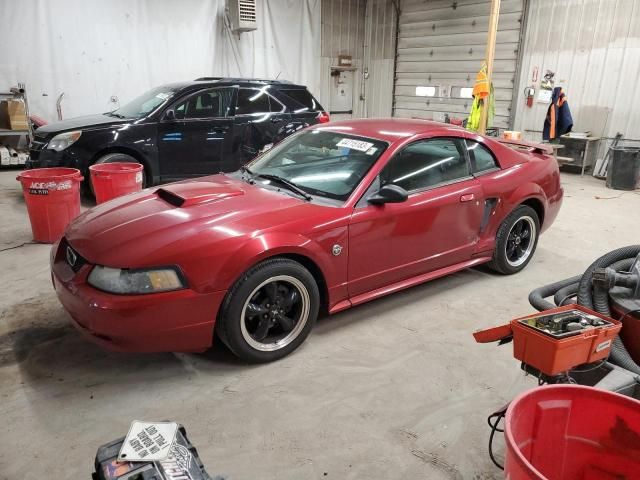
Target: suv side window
x=427 y=163
x=213 y=103
x=252 y=102
x=276 y=105
x=301 y=99
x=481 y=158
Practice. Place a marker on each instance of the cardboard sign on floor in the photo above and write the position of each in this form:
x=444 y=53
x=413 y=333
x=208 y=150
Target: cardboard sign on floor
x=148 y=441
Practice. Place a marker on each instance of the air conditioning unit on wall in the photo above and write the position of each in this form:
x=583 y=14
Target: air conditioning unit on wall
x=242 y=15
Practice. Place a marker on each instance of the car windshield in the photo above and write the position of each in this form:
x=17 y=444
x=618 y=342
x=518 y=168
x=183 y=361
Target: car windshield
x=145 y=103
x=321 y=162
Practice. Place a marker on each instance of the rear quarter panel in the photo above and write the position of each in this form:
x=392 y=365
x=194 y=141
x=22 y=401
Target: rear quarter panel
x=524 y=177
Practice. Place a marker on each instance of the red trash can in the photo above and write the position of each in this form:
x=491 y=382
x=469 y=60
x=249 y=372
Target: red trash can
x=111 y=180
x=52 y=196
x=572 y=432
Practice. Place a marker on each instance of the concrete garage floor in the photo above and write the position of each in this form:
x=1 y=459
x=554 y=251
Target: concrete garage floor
x=393 y=389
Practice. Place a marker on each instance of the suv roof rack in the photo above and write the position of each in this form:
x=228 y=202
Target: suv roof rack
x=234 y=79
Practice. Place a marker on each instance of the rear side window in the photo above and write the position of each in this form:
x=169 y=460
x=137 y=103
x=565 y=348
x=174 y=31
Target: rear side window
x=301 y=99
x=252 y=102
x=481 y=158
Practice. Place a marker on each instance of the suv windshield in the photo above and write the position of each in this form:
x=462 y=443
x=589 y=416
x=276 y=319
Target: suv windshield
x=145 y=103
x=321 y=162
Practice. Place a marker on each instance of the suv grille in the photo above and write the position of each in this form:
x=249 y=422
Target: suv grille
x=38 y=142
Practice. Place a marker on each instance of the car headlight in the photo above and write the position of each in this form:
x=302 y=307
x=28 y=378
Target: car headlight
x=64 y=140
x=124 y=281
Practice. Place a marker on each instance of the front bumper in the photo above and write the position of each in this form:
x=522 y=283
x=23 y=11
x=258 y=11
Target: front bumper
x=50 y=158
x=179 y=321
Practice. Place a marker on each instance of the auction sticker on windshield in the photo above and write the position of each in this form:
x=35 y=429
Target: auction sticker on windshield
x=148 y=441
x=355 y=144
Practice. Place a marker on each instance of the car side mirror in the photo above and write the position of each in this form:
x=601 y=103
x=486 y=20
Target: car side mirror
x=389 y=193
x=170 y=115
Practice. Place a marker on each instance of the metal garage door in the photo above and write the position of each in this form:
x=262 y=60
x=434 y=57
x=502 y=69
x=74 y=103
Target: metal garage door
x=441 y=46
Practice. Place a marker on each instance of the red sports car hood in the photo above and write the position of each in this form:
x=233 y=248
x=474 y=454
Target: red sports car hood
x=141 y=229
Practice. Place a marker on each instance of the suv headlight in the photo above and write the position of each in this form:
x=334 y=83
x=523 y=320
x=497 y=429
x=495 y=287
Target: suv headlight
x=64 y=140
x=124 y=281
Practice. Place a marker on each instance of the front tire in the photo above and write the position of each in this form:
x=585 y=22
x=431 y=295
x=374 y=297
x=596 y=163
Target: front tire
x=516 y=241
x=269 y=311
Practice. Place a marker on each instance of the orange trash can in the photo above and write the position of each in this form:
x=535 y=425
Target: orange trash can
x=52 y=196
x=111 y=180
x=572 y=432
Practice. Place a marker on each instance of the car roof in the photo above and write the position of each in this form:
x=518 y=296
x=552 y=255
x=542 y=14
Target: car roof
x=243 y=82
x=389 y=129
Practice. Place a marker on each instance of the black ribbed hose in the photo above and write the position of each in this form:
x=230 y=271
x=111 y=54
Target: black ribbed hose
x=598 y=298
x=537 y=297
x=585 y=295
x=563 y=295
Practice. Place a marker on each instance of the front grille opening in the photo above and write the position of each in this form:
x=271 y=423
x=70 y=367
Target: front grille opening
x=70 y=256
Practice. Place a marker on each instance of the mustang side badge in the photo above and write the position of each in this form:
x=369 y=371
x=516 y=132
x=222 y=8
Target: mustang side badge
x=337 y=250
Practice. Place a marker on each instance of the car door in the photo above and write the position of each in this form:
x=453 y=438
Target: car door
x=195 y=133
x=260 y=121
x=436 y=227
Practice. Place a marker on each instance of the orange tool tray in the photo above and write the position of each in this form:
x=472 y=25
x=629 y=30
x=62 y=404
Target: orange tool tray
x=553 y=356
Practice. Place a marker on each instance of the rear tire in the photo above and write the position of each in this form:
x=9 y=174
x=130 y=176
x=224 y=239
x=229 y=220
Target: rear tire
x=269 y=311
x=111 y=158
x=516 y=241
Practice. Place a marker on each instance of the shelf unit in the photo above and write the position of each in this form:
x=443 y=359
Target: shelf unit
x=18 y=93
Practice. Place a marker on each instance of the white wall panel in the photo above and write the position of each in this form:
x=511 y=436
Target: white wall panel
x=342 y=34
x=364 y=29
x=442 y=43
x=92 y=49
x=379 y=54
x=593 y=46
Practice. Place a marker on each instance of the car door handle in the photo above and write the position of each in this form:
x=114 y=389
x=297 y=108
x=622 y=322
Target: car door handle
x=275 y=120
x=220 y=129
x=467 y=197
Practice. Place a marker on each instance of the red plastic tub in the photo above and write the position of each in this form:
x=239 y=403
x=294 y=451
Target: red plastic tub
x=52 y=196
x=111 y=180
x=571 y=432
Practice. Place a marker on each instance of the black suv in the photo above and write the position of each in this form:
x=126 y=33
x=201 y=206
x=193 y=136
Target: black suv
x=182 y=130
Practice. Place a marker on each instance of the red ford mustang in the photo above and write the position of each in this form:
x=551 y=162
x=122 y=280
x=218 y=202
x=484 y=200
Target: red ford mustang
x=331 y=217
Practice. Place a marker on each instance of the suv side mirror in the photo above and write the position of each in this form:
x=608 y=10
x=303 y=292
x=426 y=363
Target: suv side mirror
x=170 y=115
x=389 y=193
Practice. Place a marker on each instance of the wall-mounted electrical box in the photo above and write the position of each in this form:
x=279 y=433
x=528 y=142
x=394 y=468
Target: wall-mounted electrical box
x=242 y=15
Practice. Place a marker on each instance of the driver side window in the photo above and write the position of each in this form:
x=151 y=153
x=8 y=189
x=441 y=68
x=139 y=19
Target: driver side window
x=425 y=164
x=213 y=103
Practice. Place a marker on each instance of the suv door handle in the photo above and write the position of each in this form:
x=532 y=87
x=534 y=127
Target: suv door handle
x=468 y=197
x=220 y=129
x=275 y=120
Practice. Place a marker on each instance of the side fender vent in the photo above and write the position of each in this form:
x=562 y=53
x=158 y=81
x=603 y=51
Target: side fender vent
x=170 y=197
x=489 y=206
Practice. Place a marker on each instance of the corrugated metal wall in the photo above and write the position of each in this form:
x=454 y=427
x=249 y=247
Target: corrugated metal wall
x=364 y=29
x=593 y=46
x=441 y=44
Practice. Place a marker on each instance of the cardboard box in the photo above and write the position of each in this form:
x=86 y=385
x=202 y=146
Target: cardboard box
x=13 y=115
